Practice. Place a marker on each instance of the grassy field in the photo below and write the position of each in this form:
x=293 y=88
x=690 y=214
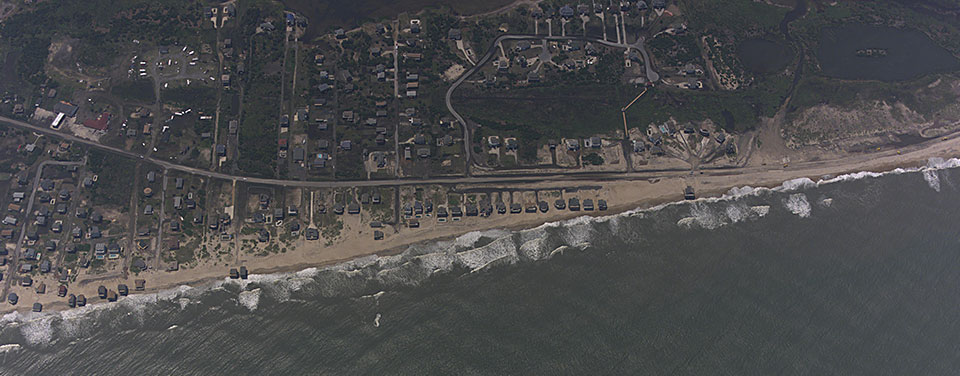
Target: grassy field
x=539 y=113
x=114 y=179
x=737 y=16
x=140 y=90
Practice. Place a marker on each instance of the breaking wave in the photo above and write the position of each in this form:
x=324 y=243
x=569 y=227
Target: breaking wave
x=797 y=204
x=471 y=252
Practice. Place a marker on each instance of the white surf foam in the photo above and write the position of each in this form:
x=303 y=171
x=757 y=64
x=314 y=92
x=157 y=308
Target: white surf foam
x=932 y=178
x=249 y=299
x=797 y=204
x=506 y=247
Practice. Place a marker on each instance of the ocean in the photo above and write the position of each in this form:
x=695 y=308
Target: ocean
x=857 y=274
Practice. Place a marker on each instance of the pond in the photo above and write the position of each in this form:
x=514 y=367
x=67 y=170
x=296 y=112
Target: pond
x=880 y=53
x=764 y=56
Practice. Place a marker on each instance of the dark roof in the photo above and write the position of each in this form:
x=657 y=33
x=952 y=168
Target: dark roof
x=67 y=108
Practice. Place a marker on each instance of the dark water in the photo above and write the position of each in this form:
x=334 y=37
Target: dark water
x=856 y=277
x=764 y=56
x=910 y=53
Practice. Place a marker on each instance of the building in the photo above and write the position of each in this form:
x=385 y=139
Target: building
x=454 y=34
x=66 y=108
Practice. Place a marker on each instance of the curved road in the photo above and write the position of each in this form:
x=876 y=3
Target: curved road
x=652 y=75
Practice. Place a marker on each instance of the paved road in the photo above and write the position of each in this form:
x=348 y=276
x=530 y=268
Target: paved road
x=15 y=259
x=341 y=183
x=651 y=74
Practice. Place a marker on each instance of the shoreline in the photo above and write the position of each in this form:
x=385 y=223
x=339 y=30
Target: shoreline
x=627 y=195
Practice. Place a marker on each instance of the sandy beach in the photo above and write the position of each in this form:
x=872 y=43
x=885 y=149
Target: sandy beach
x=637 y=191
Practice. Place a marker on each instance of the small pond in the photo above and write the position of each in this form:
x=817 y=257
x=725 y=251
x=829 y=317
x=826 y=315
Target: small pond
x=880 y=53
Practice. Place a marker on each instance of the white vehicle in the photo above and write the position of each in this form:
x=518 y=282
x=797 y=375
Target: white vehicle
x=191 y=53
x=143 y=74
x=193 y=63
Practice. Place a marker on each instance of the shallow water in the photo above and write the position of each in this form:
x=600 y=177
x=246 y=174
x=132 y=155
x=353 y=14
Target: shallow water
x=855 y=275
x=910 y=53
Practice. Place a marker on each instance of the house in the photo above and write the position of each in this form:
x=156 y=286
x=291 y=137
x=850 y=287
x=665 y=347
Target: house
x=572 y=144
x=533 y=77
x=346 y=145
x=454 y=34
x=94 y=232
x=595 y=142
x=148 y=210
x=221 y=150
x=151 y=176
x=66 y=108
x=233 y=126
x=659 y=4
x=423 y=152
x=298 y=154
x=179 y=183
x=512 y=144
x=353 y=208
x=567 y=11
x=523 y=45
x=100 y=251
x=323 y=144
x=312 y=234
x=503 y=64
x=100 y=123
x=225 y=79
x=493 y=142
x=688 y=193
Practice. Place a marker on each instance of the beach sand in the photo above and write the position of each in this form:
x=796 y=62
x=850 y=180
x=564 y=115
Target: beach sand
x=635 y=191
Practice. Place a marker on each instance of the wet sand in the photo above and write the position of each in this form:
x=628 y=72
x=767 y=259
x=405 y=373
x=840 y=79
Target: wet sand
x=622 y=196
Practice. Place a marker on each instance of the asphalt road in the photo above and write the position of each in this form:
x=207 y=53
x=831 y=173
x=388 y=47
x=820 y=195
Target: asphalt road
x=15 y=257
x=342 y=183
x=651 y=74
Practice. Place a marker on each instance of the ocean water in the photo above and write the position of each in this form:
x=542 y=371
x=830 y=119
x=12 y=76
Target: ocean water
x=858 y=274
